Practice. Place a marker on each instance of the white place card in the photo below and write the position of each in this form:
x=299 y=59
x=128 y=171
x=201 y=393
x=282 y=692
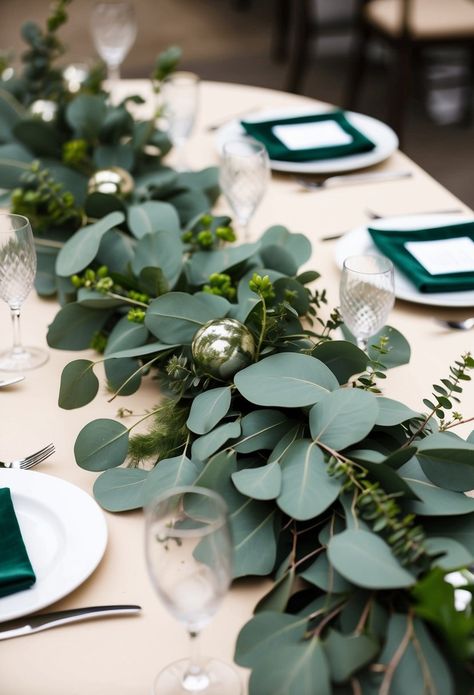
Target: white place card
x=305 y=136
x=444 y=255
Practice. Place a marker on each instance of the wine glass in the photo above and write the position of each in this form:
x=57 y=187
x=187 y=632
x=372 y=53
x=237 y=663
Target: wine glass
x=180 y=97
x=189 y=558
x=244 y=176
x=17 y=273
x=366 y=294
x=114 y=29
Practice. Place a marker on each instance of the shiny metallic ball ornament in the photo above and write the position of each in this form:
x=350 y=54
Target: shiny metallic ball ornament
x=44 y=109
x=111 y=181
x=222 y=347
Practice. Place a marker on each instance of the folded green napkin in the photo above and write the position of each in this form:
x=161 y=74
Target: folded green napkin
x=277 y=150
x=392 y=244
x=16 y=572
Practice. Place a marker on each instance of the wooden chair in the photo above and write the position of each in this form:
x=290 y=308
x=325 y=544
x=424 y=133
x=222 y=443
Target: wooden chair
x=407 y=27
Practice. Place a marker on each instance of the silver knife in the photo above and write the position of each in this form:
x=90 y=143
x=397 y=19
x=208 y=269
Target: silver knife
x=37 y=623
x=366 y=177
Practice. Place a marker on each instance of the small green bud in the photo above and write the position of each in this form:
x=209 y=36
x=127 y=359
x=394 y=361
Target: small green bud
x=102 y=272
x=186 y=237
x=77 y=281
x=205 y=238
x=206 y=220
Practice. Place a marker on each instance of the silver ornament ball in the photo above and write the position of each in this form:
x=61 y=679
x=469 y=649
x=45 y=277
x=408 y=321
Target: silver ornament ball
x=111 y=181
x=222 y=347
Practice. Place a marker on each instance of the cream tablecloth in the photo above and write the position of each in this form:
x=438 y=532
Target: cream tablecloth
x=120 y=656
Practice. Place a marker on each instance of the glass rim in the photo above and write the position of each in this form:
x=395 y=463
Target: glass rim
x=244 y=140
x=181 y=490
x=382 y=271
x=14 y=215
x=186 y=74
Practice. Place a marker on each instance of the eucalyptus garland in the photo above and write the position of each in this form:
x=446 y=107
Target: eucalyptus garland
x=352 y=502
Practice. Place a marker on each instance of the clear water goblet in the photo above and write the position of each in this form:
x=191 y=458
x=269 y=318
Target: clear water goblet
x=17 y=273
x=244 y=176
x=189 y=550
x=367 y=295
x=114 y=29
x=180 y=100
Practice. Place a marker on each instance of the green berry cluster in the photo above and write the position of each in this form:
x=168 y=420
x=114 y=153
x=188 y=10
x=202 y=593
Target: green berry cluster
x=205 y=235
x=136 y=315
x=94 y=279
x=262 y=286
x=75 y=153
x=221 y=285
x=44 y=201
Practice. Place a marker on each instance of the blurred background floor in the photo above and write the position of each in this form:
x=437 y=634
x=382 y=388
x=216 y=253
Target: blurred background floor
x=221 y=42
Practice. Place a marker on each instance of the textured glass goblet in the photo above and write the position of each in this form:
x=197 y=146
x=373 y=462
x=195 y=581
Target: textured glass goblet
x=189 y=557
x=180 y=96
x=114 y=29
x=244 y=176
x=366 y=295
x=17 y=273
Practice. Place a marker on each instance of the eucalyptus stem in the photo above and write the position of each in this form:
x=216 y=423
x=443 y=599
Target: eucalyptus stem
x=263 y=328
x=137 y=371
x=396 y=658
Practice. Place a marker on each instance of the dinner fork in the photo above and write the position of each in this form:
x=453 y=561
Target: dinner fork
x=31 y=460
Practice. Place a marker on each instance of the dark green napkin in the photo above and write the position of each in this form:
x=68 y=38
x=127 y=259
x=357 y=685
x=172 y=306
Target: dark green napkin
x=277 y=150
x=16 y=572
x=392 y=244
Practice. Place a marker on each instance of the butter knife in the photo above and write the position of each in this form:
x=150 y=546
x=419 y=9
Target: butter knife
x=46 y=621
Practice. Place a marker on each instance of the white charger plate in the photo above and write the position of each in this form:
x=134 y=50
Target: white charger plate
x=65 y=534
x=359 y=241
x=383 y=137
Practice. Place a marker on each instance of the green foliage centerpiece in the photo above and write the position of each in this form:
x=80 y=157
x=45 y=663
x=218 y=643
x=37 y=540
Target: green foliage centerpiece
x=352 y=502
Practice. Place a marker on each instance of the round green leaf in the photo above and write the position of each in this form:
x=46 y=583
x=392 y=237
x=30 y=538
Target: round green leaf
x=447 y=461
x=81 y=249
x=117 y=155
x=176 y=316
x=101 y=444
x=79 y=385
x=290 y=380
x=264 y=633
x=366 y=560
x=125 y=335
x=208 y=408
x=153 y=216
x=299 y=669
x=297 y=245
x=453 y=555
x=74 y=325
x=343 y=417
x=306 y=489
x=123 y=375
x=120 y=489
x=209 y=443
x=85 y=114
x=261 y=429
x=393 y=412
x=323 y=575
x=348 y=653
x=167 y=474
x=204 y=263
x=261 y=483
x=344 y=359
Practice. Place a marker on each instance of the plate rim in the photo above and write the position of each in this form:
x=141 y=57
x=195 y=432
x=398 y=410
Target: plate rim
x=436 y=299
x=96 y=540
x=348 y=163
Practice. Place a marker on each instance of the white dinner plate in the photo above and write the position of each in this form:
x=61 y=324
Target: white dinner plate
x=65 y=534
x=383 y=137
x=359 y=241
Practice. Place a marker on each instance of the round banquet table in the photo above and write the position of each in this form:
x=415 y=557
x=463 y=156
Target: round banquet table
x=120 y=656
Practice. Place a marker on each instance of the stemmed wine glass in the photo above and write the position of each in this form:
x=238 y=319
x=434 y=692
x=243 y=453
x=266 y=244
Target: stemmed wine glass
x=180 y=98
x=244 y=176
x=366 y=294
x=17 y=273
x=189 y=558
x=114 y=29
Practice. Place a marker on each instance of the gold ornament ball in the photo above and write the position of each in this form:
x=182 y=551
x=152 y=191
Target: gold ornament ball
x=111 y=181
x=44 y=109
x=222 y=347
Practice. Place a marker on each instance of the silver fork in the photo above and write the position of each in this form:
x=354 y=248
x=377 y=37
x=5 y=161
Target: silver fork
x=31 y=460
